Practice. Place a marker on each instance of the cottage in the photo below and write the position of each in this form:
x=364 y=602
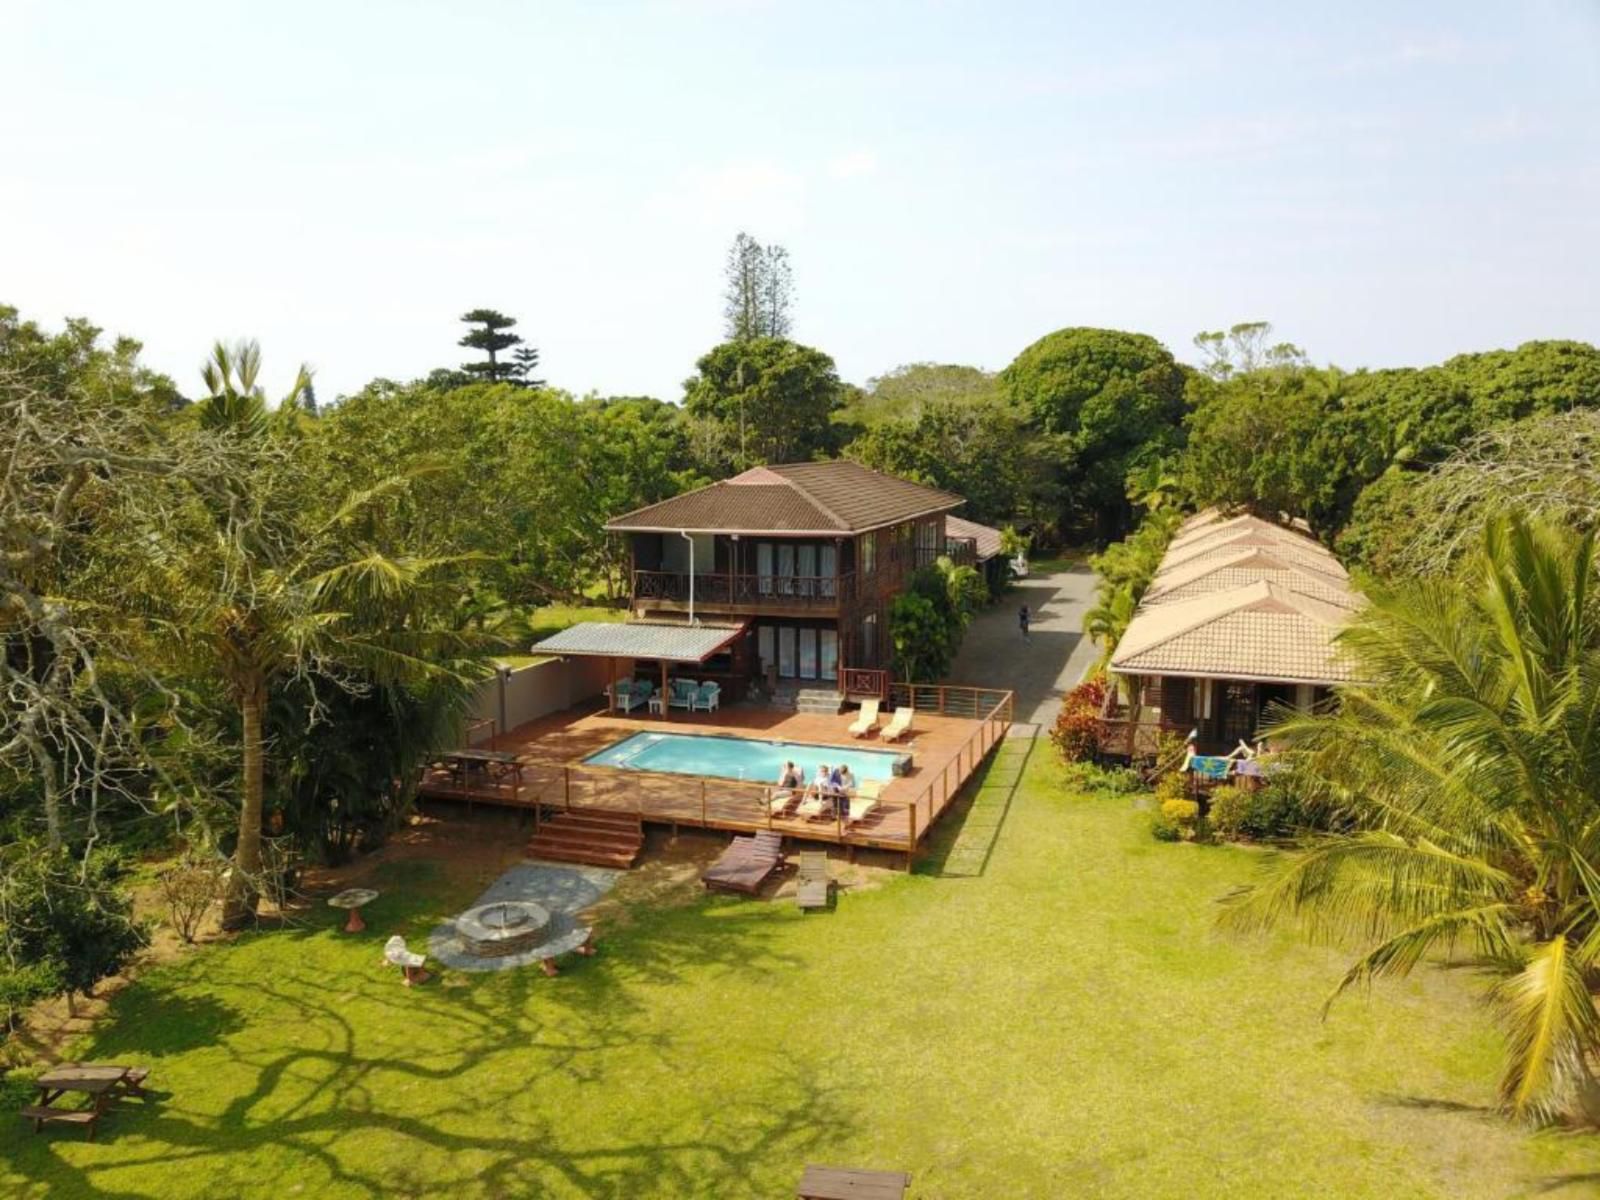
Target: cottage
x=1241 y=618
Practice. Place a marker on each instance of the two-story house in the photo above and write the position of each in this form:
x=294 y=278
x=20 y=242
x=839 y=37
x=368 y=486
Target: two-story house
x=806 y=557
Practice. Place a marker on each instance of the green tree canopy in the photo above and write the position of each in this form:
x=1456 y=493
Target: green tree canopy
x=1112 y=397
x=774 y=399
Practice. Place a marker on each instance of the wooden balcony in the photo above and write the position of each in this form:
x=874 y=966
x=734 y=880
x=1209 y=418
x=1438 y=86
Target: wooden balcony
x=818 y=595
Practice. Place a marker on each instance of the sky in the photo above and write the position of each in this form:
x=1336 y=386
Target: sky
x=1388 y=183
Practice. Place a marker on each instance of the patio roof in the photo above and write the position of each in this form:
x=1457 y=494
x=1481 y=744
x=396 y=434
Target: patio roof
x=985 y=537
x=671 y=642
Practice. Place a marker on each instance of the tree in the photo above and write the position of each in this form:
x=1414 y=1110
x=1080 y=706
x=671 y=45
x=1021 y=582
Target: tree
x=1110 y=397
x=258 y=579
x=490 y=337
x=1244 y=348
x=908 y=391
x=759 y=293
x=1467 y=778
x=773 y=398
x=65 y=921
x=80 y=429
x=525 y=363
x=920 y=634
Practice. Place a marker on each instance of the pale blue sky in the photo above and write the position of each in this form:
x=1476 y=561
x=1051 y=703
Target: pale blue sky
x=1389 y=183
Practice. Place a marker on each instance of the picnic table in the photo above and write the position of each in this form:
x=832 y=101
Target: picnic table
x=497 y=764
x=852 y=1183
x=102 y=1082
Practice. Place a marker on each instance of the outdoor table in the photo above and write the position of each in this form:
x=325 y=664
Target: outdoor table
x=658 y=705
x=352 y=899
x=462 y=763
x=101 y=1082
x=851 y=1183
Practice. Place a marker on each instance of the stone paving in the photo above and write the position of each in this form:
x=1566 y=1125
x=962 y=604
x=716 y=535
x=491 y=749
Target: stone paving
x=562 y=890
x=1051 y=660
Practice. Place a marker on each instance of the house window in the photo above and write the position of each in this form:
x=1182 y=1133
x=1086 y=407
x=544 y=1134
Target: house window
x=869 y=553
x=869 y=640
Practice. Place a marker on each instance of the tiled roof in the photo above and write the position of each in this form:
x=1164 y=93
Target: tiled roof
x=987 y=538
x=1222 y=572
x=640 y=639
x=1258 y=631
x=822 y=498
x=1242 y=598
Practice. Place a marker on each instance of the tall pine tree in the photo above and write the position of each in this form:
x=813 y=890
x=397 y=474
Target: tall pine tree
x=490 y=337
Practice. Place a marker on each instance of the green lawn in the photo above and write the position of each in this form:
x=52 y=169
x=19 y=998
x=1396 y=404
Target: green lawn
x=1043 y=1009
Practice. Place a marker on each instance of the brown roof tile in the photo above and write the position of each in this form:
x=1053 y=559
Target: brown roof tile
x=986 y=537
x=822 y=498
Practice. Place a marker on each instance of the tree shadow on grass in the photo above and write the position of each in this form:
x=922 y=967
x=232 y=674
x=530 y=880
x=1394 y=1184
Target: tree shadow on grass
x=326 y=1045
x=963 y=841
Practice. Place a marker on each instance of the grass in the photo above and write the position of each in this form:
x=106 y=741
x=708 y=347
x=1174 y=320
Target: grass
x=549 y=619
x=1043 y=1009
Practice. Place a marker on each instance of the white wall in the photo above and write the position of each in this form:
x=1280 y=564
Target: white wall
x=535 y=691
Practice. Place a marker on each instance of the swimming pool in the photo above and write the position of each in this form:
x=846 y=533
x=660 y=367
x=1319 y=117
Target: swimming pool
x=737 y=758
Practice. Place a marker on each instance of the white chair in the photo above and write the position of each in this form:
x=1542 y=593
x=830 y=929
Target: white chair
x=395 y=954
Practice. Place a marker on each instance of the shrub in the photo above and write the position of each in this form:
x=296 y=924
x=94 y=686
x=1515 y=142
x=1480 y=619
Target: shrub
x=1164 y=830
x=1174 y=785
x=1089 y=777
x=22 y=986
x=1270 y=812
x=1180 y=812
x=189 y=888
x=1077 y=730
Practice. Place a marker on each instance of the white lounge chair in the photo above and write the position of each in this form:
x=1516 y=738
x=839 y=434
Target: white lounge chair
x=861 y=807
x=395 y=954
x=866 y=721
x=900 y=724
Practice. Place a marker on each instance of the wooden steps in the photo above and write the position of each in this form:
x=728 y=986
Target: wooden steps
x=591 y=836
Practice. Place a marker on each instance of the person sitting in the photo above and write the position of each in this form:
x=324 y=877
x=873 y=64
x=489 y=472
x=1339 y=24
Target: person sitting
x=836 y=790
x=847 y=781
x=790 y=782
x=789 y=777
x=821 y=783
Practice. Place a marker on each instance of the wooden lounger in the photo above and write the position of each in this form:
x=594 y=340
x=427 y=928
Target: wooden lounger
x=900 y=724
x=861 y=807
x=867 y=721
x=812 y=880
x=745 y=865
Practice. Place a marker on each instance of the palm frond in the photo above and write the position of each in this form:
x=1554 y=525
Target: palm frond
x=1551 y=1026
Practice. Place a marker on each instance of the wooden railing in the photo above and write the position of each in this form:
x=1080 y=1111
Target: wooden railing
x=952 y=700
x=996 y=719
x=858 y=683
x=821 y=591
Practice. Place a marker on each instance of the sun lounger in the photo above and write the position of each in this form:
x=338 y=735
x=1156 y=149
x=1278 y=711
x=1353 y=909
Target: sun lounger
x=812 y=891
x=779 y=803
x=745 y=865
x=860 y=808
x=900 y=724
x=867 y=720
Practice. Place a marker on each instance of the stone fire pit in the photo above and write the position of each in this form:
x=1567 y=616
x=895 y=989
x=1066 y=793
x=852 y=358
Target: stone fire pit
x=503 y=927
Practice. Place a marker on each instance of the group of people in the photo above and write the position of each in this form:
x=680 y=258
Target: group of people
x=829 y=784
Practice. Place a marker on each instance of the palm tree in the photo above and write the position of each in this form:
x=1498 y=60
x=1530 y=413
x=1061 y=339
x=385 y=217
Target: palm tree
x=250 y=587
x=1467 y=779
x=1108 y=619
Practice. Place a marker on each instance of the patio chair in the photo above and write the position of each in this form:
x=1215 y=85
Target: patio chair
x=812 y=882
x=395 y=954
x=861 y=807
x=682 y=693
x=745 y=865
x=899 y=725
x=867 y=720
x=708 y=696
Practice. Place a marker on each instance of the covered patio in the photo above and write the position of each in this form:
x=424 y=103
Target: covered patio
x=669 y=645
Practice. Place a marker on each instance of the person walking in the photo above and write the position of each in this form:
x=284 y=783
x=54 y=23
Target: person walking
x=1022 y=621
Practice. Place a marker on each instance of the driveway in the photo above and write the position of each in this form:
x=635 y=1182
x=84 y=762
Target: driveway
x=1051 y=660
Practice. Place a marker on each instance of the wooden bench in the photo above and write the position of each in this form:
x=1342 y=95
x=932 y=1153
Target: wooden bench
x=812 y=881
x=43 y=1114
x=852 y=1183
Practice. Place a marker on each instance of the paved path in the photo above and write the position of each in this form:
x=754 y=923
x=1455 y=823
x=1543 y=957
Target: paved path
x=1053 y=658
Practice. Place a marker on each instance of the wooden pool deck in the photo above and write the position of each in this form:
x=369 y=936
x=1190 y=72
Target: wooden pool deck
x=946 y=749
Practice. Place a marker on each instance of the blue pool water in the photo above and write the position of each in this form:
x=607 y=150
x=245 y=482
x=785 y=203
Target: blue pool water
x=737 y=758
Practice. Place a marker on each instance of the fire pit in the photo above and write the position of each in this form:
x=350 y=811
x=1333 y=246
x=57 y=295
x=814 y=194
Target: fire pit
x=502 y=928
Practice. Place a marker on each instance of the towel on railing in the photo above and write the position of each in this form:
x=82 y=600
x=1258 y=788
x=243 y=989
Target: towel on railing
x=1210 y=766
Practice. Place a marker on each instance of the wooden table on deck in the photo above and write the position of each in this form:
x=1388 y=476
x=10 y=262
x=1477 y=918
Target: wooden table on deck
x=852 y=1183
x=499 y=763
x=104 y=1083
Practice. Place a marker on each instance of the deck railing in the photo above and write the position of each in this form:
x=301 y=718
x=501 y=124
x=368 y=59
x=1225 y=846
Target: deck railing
x=820 y=591
x=862 y=682
x=927 y=806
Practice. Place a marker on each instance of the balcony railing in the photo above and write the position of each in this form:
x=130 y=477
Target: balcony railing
x=778 y=591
